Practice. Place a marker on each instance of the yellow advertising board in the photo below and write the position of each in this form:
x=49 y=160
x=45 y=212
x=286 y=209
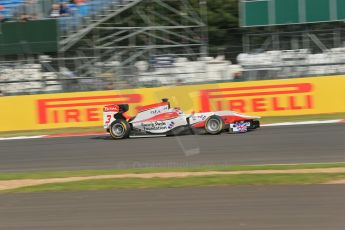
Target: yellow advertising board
x=302 y=96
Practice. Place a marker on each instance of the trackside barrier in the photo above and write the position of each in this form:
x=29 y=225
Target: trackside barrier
x=290 y=97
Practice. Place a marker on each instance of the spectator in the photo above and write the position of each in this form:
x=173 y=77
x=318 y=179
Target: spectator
x=1 y=93
x=55 y=11
x=77 y=2
x=64 y=10
x=238 y=77
x=2 y=16
x=27 y=11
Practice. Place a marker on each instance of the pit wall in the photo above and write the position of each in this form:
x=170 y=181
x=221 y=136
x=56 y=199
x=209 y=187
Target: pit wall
x=303 y=96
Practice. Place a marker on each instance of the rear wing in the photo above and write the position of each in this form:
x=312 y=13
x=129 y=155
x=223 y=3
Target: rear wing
x=110 y=111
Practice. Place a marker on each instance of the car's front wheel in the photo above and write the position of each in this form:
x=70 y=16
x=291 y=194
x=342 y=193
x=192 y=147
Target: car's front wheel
x=214 y=125
x=120 y=129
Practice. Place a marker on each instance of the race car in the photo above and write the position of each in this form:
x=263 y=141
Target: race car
x=161 y=119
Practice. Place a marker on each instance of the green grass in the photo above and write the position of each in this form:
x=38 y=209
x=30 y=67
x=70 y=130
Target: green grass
x=63 y=174
x=200 y=181
x=264 y=120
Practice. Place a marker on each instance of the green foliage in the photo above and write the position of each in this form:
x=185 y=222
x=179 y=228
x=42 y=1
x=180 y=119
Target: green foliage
x=201 y=181
x=226 y=168
x=223 y=26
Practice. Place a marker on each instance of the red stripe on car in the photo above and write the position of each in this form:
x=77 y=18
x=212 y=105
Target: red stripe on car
x=147 y=107
x=162 y=117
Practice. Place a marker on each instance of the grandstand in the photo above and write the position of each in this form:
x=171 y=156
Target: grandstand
x=95 y=43
x=61 y=46
x=297 y=38
x=292 y=63
x=184 y=71
x=8 y=7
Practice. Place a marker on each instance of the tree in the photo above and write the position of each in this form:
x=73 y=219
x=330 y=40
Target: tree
x=223 y=27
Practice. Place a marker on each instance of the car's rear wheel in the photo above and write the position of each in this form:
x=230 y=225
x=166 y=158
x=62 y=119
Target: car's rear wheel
x=214 y=125
x=120 y=129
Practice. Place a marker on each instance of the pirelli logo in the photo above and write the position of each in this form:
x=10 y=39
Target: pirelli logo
x=258 y=98
x=79 y=109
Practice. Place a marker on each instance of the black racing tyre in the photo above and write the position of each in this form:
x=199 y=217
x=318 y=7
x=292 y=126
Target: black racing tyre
x=120 y=129
x=214 y=125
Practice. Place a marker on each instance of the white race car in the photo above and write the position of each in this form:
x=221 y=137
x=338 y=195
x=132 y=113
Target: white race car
x=160 y=119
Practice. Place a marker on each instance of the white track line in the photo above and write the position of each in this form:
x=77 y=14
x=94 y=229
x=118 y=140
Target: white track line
x=22 y=137
x=303 y=123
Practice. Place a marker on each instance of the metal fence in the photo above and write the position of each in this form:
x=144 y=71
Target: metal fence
x=44 y=75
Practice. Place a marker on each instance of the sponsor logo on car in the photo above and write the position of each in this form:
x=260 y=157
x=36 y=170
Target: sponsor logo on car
x=111 y=109
x=156 y=125
x=79 y=109
x=297 y=96
x=171 y=125
x=155 y=111
x=242 y=126
x=199 y=117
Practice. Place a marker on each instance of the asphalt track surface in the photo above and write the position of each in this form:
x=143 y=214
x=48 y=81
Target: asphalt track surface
x=268 y=145
x=306 y=207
